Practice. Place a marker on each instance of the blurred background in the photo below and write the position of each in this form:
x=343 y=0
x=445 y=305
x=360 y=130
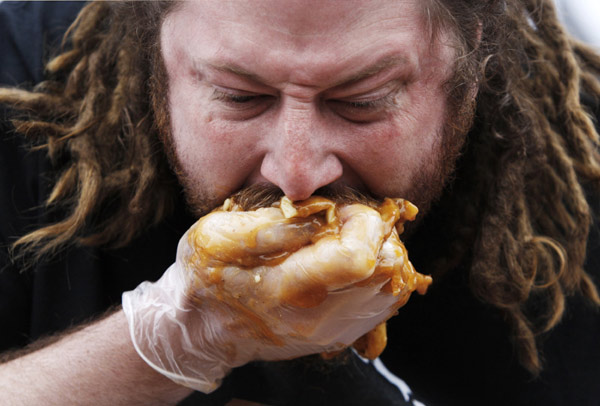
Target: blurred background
x=582 y=18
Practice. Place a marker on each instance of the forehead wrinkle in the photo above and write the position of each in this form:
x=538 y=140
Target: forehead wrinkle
x=233 y=69
x=371 y=70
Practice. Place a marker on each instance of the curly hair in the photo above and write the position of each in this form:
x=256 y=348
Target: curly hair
x=515 y=209
x=94 y=115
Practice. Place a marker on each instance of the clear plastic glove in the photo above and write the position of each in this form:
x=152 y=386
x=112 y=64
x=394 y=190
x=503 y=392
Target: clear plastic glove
x=272 y=284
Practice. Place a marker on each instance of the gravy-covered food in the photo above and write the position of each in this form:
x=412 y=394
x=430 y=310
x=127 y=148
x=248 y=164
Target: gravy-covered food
x=302 y=254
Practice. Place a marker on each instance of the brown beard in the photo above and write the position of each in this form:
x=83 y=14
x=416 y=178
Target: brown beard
x=427 y=186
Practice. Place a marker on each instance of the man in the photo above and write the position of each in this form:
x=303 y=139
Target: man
x=469 y=109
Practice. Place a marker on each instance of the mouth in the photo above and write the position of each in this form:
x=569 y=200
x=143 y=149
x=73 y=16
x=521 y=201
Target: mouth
x=266 y=194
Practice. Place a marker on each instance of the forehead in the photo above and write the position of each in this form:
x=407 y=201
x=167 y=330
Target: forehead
x=302 y=36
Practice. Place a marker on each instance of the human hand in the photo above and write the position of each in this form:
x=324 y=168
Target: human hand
x=272 y=284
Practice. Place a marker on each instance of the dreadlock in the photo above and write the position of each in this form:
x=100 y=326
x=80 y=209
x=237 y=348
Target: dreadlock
x=516 y=208
x=94 y=116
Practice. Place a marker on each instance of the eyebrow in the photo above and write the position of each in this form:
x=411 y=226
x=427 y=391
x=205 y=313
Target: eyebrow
x=236 y=70
x=372 y=70
x=369 y=71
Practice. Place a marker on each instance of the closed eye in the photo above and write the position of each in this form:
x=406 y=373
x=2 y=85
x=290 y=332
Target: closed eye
x=371 y=106
x=364 y=105
x=237 y=98
x=241 y=105
x=363 y=111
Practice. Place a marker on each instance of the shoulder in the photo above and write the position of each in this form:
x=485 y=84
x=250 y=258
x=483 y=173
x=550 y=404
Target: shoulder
x=29 y=31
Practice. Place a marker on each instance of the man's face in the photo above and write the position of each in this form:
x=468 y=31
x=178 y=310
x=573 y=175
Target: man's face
x=305 y=94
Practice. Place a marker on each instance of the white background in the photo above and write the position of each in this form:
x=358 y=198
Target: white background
x=582 y=18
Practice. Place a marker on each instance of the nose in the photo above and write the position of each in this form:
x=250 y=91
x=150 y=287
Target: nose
x=301 y=158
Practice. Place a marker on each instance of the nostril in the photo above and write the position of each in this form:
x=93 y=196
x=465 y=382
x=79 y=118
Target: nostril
x=300 y=178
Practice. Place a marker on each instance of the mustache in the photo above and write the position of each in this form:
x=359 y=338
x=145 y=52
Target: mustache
x=265 y=194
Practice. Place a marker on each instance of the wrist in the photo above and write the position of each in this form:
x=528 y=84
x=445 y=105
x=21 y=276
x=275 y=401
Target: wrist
x=158 y=388
x=172 y=337
x=94 y=365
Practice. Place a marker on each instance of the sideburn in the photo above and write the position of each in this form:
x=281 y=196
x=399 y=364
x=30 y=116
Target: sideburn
x=159 y=88
x=159 y=99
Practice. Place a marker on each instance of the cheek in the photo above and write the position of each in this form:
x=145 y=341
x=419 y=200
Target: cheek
x=210 y=151
x=398 y=151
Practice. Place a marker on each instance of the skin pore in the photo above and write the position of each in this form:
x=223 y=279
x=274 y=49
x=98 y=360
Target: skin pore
x=302 y=96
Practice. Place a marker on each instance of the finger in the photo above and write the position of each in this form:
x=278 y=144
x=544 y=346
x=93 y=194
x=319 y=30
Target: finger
x=237 y=237
x=333 y=262
x=394 y=266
